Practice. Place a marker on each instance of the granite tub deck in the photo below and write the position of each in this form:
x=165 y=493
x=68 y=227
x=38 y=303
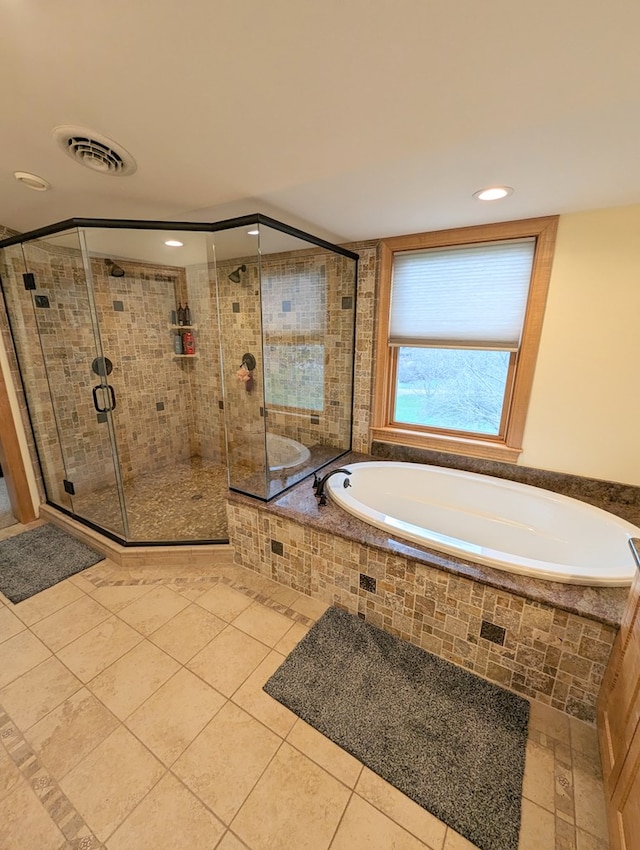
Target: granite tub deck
x=545 y=640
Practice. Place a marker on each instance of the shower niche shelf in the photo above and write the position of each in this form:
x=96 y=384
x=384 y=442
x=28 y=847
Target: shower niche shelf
x=184 y=356
x=183 y=327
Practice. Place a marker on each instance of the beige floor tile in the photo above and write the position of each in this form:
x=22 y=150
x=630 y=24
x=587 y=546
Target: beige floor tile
x=285 y=595
x=117 y=597
x=10 y=776
x=169 y=817
x=47 y=602
x=591 y=815
x=80 y=581
x=260 y=705
x=230 y=842
x=590 y=842
x=224 y=602
x=228 y=660
x=188 y=632
x=25 y=823
x=325 y=753
x=312 y=608
x=401 y=809
x=549 y=720
x=130 y=680
x=109 y=783
x=223 y=763
x=291 y=639
x=65 y=625
x=538 y=783
x=153 y=610
x=70 y=732
x=455 y=841
x=103 y=571
x=253 y=581
x=364 y=826
x=36 y=692
x=584 y=738
x=189 y=591
x=176 y=713
x=94 y=651
x=294 y=806
x=537 y=828
x=10 y=625
x=262 y=623
x=19 y=654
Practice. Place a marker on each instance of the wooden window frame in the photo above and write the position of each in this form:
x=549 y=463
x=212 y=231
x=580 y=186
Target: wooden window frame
x=508 y=445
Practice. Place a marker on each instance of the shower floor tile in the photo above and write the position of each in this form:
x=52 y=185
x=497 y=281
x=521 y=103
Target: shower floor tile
x=180 y=501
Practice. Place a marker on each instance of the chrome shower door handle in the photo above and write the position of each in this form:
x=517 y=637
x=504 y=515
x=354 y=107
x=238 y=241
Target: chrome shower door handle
x=95 y=398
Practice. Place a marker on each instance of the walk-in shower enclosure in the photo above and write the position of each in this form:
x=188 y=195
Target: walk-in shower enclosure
x=164 y=362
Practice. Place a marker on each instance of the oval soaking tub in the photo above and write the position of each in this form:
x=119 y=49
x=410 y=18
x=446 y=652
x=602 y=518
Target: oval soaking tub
x=491 y=521
x=285 y=453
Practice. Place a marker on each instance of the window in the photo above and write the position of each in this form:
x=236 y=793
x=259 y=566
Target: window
x=460 y=321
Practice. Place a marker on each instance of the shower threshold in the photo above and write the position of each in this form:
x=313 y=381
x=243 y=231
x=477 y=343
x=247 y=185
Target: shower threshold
x=198 y=554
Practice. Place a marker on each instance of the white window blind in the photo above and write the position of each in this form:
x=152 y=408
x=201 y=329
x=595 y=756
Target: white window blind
x=471 y=296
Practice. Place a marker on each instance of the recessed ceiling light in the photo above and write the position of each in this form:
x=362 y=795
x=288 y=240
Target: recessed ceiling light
x=254 y=232
x=493 y=193
x=32 y=181
x=173 y=243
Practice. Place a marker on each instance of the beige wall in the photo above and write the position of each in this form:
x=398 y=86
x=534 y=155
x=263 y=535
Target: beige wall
x=584 y=414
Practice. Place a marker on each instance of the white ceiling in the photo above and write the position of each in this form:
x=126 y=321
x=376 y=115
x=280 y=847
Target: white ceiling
x=352 y=119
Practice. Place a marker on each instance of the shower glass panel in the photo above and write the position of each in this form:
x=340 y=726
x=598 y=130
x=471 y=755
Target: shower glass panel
x=298 y=312
x=165 y=372
x=54 y=324
x=237 y=259
x=157 y=375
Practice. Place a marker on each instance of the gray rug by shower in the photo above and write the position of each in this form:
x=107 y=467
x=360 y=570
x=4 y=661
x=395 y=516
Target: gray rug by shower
x=35 y=560
x=451 y=741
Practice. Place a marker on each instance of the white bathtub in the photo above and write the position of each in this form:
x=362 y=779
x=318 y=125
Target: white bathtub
x=491 y=521
x=285 y=453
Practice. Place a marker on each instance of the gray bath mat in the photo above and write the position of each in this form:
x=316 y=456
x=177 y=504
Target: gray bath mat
x=451 y=741
x=37 y=559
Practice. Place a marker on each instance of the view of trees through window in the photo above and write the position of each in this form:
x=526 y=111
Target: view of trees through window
x=457 y=389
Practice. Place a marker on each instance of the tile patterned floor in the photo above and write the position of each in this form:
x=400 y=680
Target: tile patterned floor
x=132 y=716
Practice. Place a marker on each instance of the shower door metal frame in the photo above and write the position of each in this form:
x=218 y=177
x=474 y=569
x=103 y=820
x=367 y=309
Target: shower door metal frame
x=186 y=226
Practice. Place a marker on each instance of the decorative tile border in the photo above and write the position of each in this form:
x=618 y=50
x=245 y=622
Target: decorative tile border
x=56 y=803
x=186 y=584
x=549 y=655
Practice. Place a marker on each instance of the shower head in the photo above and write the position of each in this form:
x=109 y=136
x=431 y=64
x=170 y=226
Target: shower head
x=235 y=275
x=114 y=270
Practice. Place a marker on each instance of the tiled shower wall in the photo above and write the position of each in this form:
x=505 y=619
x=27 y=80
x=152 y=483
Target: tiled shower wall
x=207 y=422
x=66 y=344
x=155 y=417
x=169 y=409
x=548 y=654
x=307 y=313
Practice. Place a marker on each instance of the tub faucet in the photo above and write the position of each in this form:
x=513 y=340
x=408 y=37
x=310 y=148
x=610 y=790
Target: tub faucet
x=319 y=484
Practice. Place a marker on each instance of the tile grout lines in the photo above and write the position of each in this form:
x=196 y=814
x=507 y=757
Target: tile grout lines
x=54 y=800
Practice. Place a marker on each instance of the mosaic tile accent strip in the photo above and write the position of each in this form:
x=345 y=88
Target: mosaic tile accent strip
x=55 y=802
x=550 y=655
x=189 y=585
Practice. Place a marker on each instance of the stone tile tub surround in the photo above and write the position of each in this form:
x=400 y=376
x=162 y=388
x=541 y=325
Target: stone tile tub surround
x=545 y=640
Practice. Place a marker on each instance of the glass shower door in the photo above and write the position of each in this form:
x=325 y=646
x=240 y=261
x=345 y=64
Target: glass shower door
x=67 y=377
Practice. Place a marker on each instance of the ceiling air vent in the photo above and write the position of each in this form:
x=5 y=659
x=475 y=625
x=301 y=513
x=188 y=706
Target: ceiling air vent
x=94 y=151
